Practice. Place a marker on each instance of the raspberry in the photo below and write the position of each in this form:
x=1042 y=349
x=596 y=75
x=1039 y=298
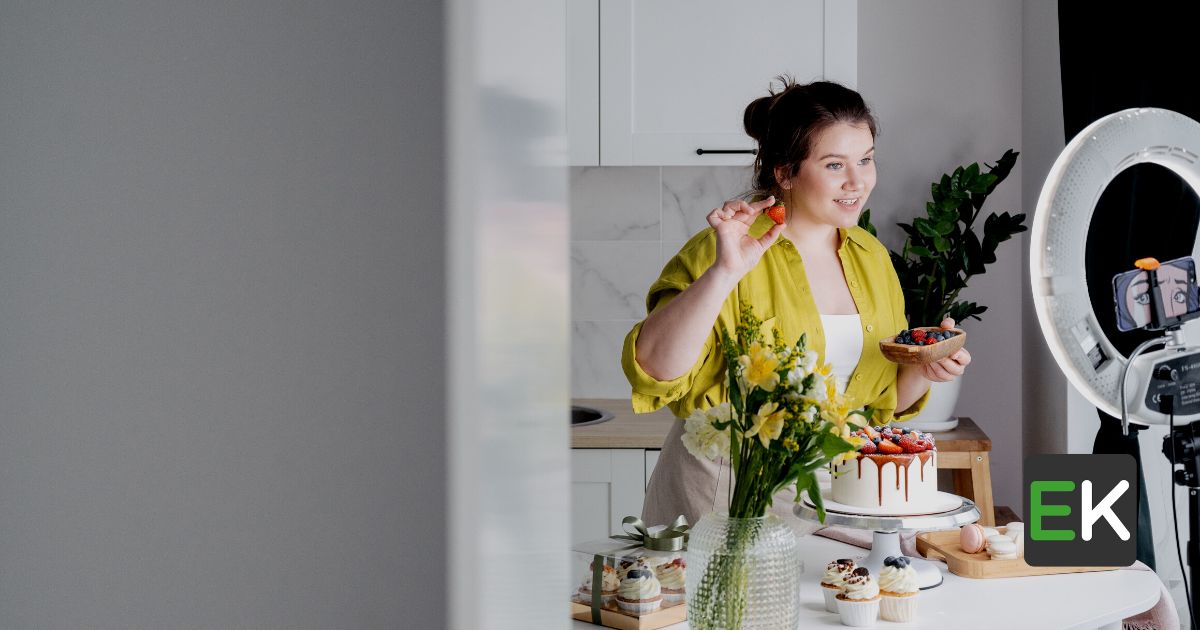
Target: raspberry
x=929 y=341
x=867 y=448
x=918 y=334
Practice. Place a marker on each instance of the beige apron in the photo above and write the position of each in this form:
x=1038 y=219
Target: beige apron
x=687 y=485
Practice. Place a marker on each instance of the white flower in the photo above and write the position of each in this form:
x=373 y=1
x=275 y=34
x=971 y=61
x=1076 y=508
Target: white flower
x=701 y=438
x=817 y=390
x=809 y=361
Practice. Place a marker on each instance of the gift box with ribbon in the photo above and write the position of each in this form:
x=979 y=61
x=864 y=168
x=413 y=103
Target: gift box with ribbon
x=635 y=580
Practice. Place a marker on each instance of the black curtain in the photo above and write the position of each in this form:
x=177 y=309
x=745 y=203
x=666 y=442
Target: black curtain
x=1131 y=55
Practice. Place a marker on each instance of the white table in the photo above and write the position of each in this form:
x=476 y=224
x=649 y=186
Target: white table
x=1069 y=601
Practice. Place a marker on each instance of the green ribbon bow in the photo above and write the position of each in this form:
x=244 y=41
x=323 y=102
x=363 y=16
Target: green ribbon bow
x=673 y=538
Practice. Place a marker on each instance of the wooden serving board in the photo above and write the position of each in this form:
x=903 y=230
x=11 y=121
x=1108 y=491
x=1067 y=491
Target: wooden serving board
x=944 y=545
x=611 y=616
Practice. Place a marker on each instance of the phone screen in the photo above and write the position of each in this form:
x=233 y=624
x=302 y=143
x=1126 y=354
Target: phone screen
x=1177 y=293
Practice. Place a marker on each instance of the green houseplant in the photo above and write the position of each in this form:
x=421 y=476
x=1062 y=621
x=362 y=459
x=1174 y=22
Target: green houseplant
x=943 y=251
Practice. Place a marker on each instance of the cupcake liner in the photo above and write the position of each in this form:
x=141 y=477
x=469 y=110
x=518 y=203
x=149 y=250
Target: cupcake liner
x=673 y=595
x=858 y=613
x=606 y=599
x=901 y=609
x=831 y=593
x=639 y=608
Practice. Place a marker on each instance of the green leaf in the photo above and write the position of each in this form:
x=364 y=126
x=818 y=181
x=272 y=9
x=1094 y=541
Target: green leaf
x=864 y=222
x=920 y=251
x=941 y=244
x=944 y=228
x=925 y=227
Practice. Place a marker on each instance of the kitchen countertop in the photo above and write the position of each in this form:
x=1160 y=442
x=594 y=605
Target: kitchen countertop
x=626 y=430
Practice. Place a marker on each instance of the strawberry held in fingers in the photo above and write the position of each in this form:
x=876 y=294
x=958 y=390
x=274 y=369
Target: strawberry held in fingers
x=777 y=212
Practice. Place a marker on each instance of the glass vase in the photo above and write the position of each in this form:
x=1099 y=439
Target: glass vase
x=742 y=573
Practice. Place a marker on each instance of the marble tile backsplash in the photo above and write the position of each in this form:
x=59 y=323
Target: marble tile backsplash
x=626 y=223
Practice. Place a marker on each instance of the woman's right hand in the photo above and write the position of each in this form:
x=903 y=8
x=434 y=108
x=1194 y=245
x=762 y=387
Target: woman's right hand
x=737 y=251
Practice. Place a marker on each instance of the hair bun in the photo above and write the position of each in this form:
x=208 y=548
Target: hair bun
x=757 y=118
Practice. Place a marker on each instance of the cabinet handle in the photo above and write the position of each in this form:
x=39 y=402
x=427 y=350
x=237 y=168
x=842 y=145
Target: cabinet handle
x=703 y=151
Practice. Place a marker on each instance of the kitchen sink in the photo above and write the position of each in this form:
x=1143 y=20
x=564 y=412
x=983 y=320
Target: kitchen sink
x=584 y=416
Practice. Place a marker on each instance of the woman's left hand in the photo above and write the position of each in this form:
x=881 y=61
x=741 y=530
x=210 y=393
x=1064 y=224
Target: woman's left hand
x=949 y=368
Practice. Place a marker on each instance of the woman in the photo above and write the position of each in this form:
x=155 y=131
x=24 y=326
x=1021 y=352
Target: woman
x=817 y=273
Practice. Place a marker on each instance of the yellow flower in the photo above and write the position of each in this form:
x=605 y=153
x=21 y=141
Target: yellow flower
x=759 y=368
x=791 y=445
x=768 y=424
x=856 y=442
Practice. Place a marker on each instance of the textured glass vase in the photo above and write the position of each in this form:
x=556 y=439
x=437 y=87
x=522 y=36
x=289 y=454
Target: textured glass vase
x=742 y=573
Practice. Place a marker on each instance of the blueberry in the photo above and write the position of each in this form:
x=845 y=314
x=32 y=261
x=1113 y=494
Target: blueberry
x=639 y=573
x=890 y=561
x=876 y=441
x=901 y=562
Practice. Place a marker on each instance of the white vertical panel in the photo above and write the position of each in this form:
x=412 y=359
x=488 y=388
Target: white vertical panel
x=583 y=81
x=841 y=50
x=507 y=383
x=616 y=89
x=628 y=485
x=651 y=462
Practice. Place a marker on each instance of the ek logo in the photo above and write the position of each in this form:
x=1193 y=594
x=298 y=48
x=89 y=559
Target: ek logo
x=1082 y=510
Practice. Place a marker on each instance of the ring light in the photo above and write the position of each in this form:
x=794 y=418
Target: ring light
x=1056 y=254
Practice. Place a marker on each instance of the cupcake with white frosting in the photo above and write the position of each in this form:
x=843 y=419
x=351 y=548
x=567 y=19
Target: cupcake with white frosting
x=608 y=587
x=858 y=603
x=671 y=576
x=640 y=592
x=898 y=590
x=833 y=581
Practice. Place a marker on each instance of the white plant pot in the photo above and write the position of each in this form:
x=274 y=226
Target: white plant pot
x=938 y=414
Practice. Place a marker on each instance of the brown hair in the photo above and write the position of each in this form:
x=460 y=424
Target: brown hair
x=786 y=123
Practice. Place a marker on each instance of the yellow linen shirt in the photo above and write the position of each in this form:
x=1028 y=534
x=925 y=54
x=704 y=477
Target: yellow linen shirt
x=778 y=289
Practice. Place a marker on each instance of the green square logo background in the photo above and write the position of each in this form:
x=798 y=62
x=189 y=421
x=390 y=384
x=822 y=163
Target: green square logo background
x=1105 y=548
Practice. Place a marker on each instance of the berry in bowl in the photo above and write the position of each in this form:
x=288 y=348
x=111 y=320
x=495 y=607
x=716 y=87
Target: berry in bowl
x=916 y=346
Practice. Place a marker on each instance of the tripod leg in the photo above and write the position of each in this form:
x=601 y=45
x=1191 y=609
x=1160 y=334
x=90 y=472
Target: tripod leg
x=1193 y=554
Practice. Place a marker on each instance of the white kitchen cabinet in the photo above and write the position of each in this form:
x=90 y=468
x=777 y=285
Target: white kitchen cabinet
x=675 y=76
x=651 y=462
x=606 y=486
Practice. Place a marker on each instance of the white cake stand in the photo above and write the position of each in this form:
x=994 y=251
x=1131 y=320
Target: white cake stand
x=887 y=530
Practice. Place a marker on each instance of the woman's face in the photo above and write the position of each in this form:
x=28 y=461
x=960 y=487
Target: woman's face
x=834 y=181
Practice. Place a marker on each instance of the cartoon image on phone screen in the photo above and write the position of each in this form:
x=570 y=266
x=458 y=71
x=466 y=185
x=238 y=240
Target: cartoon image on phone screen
x=1177 y=295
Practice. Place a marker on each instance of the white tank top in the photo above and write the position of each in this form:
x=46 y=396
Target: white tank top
x=843 y=345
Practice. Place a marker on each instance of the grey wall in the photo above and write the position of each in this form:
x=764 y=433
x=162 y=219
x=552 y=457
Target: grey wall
x=1042 y=382
x=944 y=78
x=221 y=366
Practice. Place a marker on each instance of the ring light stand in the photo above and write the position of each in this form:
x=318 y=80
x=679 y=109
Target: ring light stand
x=1157 y=387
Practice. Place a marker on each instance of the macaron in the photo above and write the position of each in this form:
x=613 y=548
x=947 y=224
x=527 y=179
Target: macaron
x=1002 y=549
x=971 y=539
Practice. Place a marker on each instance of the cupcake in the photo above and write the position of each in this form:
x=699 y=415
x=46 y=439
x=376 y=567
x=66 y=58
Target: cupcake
x=671 y=576
x=608 y=587
x=858 y=603
x=833 y=581
x=898 y=590
x=640 y=592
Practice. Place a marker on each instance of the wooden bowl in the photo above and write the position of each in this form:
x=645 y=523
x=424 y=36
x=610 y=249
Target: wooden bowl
x=920 y=355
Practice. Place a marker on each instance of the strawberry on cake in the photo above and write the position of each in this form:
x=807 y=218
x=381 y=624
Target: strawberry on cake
x=895 y=468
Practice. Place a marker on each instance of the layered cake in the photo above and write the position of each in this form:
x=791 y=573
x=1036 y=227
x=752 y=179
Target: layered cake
x=895 y=468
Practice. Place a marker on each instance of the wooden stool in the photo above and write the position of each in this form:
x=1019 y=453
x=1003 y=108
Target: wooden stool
x=964 y=451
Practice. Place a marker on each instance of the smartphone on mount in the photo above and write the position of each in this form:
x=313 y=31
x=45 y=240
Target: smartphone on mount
x=1140 y=304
